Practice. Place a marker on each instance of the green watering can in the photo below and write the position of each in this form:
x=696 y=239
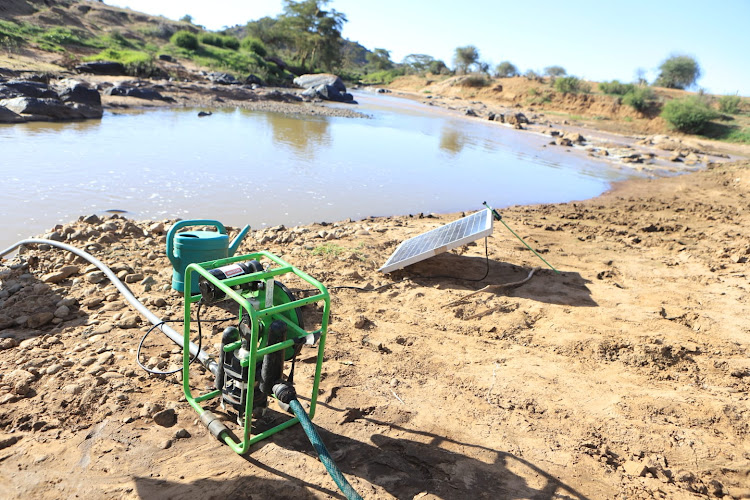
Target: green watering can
x=191 y=247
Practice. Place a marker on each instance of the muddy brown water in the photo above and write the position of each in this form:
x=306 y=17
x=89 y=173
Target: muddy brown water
x=264 y=169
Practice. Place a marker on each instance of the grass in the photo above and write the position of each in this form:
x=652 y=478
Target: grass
x=733 y=132
x=335 y=250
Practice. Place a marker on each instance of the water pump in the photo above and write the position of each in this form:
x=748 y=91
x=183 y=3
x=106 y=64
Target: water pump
x=268 y=333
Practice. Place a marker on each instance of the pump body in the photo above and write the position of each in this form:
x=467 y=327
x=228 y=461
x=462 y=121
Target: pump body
x=269 y=331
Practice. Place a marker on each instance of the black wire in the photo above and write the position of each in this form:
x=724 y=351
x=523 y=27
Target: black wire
x=200 y=341
x=360 y=289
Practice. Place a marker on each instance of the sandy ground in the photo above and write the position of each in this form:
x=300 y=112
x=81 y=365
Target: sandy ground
x=624 y=376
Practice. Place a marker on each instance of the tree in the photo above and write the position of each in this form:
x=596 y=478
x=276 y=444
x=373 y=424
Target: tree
x=380 y=59
x=187 y=18
x=438 y=67
x=555 y=71
x=418 y=63
x=678 y=72
x=465 y=57
x=314 y=33
x=506 y=69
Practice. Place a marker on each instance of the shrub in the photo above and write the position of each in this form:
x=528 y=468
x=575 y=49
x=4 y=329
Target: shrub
x=616 y=88
x=690 y=115
x=383 y=77
x=475 y=80
x=61 y=36
x=730 y=104
x=639 y=98
x=571 y=85
x=678 y=72
x=185 y=39
x=230 y=42
x=210 y=39
x=254 y=45
x=506 y=69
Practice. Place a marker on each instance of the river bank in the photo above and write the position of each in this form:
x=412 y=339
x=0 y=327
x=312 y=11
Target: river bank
x=626 y=376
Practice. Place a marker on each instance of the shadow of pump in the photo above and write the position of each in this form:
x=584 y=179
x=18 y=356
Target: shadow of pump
x=402 y=466
x=455 y=272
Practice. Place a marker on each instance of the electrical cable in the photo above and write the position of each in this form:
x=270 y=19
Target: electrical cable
x=200 y=341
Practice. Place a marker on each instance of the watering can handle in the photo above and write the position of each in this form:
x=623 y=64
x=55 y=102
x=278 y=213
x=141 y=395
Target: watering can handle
x=184 y=223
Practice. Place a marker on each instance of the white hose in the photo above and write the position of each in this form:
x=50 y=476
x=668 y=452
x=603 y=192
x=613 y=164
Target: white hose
x=177 y=338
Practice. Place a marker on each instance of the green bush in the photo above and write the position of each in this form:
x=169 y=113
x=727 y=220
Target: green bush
x=384 y=77
x=690 y=115
x=185 y=40
x=730 y=104
x=571 y=85
x=136 y=62
x=639 y=98
x=616 y=88
x=254 y=45
x=211 y=39
x=230 y=42
x=61 y=36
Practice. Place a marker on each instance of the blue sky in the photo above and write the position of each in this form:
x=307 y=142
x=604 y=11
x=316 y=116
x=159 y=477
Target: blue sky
x=596 y=40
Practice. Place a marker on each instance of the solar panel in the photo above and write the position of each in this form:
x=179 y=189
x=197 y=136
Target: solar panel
x=439 y=240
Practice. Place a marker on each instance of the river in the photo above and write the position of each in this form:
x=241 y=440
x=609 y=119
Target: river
x=264 y=169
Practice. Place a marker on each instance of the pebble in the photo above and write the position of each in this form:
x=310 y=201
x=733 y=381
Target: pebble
x=165 y=444
x=182 y=434
x=53 y=369
x=105 y=358
x=133 y=278
x=88 y=361
x=72 y=389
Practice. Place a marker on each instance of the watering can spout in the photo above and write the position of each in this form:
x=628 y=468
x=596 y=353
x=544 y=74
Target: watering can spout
x=236 y=242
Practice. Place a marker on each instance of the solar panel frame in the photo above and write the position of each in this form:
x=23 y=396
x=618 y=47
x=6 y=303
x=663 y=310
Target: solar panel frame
x=440 y=240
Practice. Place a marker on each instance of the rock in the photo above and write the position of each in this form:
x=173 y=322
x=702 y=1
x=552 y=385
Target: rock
x=470 y=112
x=19 y=381
x=96 y=277
x=137 y=92
x=165 y=444
x=360 y=322
x=61 y=274
x=222 y=78
x=102 y=68
x=516 y=118
x=105 y=358
x=308 y=81
x=23 y=88
x=62 y=312
x=39 y=319
x=93 y=302
x=575 y=137
x=166 y=418
x=133 y=278
x=633 y=468
x=52 y=369
x=73 y=389
x=6 y=442
x=8 y=343
x=44 y=108
x=253 y=80
x=182 y=434
x=130 y=321
x=563 y=141
x=166 y=57
x=74 y=91
x=8 y=116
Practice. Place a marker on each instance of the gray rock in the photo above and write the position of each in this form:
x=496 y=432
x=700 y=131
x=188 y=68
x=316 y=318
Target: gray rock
x=39 y=319
x=315 y=80
x=23 y=88
x=62 y=312
x=73 y=91
x=222 y=78
x=45 y=108
x=61 y=274
x=166 y=418
x=182 y=434
x=137 y=92
x=102 y=68
x=8 y=116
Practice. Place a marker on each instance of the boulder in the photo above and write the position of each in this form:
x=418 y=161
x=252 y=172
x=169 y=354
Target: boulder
x=73 y=91
x=102 y=68
x=253 y=80
x=8 y=116
x=50 y=109
x=329 y=93
x=166 y=57
x=222 y=78
x=309 y=81
x=516 y=118
x=138 y=92
x=23 y=88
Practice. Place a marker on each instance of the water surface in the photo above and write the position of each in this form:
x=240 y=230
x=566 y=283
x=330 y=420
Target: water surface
x=260 y=168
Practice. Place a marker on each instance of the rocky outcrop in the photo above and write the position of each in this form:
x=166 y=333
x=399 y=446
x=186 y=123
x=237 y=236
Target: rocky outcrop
x=222 y=78
x=324 y=86
x=22 y=100
x=129 y=90
x=109 y=68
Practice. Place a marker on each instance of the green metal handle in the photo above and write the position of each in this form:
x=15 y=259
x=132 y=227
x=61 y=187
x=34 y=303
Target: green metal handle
x=185 y=223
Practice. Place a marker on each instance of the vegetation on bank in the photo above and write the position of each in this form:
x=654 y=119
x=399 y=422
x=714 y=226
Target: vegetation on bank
x=307 y=37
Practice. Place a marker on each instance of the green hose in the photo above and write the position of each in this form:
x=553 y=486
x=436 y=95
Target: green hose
x=325 y=457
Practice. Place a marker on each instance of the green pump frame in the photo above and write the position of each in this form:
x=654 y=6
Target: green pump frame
x=258 y=342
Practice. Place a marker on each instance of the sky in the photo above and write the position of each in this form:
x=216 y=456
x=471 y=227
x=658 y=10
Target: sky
x=592 y=39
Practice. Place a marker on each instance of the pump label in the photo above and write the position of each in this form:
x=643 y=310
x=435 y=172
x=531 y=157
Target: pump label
x=232 y=270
